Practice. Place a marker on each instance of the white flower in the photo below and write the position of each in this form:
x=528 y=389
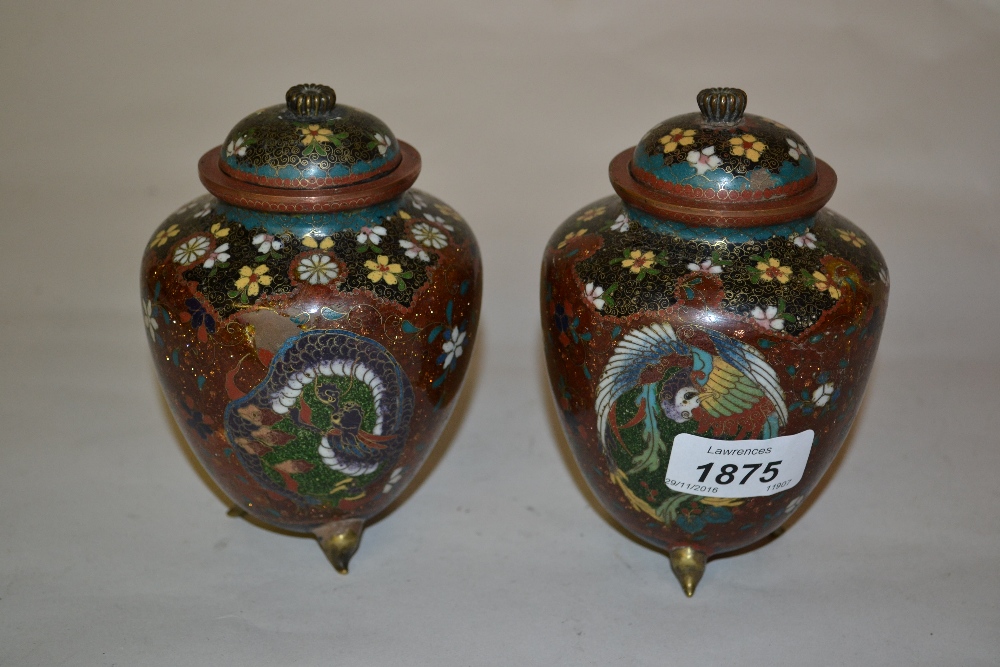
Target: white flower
x=205 y=210
x=452 y=346
x=621 y=223
x=383 y=143
x=413 y=251
x=806 y=240
x=192 y=250
x=317 y=269
x=766 y=319
x=394 y=477
x=704 y=160
x=822 y=394
x=236 y=147
x=372 y=235
x=593 y=294
x=706 y=266
x=219 y=254
x=266 y=243
x=147 y=315
x=794 y=504
x=418 y=202
x=428 y=236
x=437 y=219
x=796 y=150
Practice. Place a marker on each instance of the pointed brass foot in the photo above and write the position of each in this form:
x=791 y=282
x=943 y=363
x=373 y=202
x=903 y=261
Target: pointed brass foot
x=236 y=512
x=339 y=540
x=688 y=565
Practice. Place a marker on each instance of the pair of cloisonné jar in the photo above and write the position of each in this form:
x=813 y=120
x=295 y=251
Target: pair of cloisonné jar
x=709 y=331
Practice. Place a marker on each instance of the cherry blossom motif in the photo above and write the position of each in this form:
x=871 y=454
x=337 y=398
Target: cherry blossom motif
x=192 y=250
x=147 y=315
x=796 y=150
x=381 y=269
x=266 y=243
x=250 y=280
x=805 y=240
x=570 y=237
x=164 y=235
x=822 y=395
x=823 y=284
x=325 y=244
x=418 y=202
x=220 y=255
x=452 y=346
x=772 y=269
x=704 y=160
x=219 y=231
x=767 y=319
x=621 y=223
x=593 y=294
x=639 y=261
x=428 y=236
x=677 y=137
x=237 y=147
x=371 y=235
x=706 y=266
x=590 y=214
x=205 y=210
x=851 y=237
x=413 y=251
x=747 y=145
x=383 y=143
x=317 y=269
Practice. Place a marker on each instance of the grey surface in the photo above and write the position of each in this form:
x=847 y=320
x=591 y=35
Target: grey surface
x=114 y=550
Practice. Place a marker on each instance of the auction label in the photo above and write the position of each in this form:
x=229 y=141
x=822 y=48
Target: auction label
x=737 y=468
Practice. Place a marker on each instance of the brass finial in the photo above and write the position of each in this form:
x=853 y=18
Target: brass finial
x=724 y=106
x=310 y=99
x=688 y=565
x=339 y=540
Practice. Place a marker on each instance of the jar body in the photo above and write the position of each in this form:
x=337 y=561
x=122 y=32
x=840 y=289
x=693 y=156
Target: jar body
x=655 y=329
x=312 y=360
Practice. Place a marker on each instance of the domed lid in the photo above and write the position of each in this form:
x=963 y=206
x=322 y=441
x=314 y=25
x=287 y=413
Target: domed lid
x=309 y=154
x=723 y=167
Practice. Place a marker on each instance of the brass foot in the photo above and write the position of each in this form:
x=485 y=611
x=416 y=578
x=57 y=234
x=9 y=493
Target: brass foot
x=339 y=540
x=688 y=565
x=236 y=512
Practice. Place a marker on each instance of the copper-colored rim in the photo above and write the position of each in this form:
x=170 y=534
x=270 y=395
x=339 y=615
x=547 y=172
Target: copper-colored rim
x=716 y=213
x=281 y=200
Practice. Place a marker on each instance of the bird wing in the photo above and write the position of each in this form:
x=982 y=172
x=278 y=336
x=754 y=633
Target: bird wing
x=739 y=374
x=637 y=350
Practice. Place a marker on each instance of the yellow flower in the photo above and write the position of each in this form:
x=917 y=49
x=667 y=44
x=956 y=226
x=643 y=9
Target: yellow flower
x=404 y=215
x=252 y=279
x=721 y=502
x=383 y=270
x=773 y=270
x=747 y=145
x=590 y=214
x=570 y=237
x=640 y=260
x=315 y=133
x=851 y=238
x=310 y=242
x=163 y=235
x=823 y=284
x=219 y=231
x=677 y=137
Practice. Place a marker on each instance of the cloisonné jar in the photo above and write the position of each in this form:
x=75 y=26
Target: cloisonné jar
x=311 y=319
x=709 y=331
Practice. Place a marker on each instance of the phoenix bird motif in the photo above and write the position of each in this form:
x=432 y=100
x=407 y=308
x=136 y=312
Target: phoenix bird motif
x=723 y=385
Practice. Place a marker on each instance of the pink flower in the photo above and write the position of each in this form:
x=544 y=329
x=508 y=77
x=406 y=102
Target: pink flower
x=768 y=319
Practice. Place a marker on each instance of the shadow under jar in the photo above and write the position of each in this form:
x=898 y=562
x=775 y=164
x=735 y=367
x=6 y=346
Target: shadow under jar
x=710 y=330
x=312 y=318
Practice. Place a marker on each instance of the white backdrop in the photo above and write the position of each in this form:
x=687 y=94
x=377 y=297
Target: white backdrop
x=115 y=549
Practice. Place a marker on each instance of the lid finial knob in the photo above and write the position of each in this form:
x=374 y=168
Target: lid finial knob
x=310 y=99
x=722 y=105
